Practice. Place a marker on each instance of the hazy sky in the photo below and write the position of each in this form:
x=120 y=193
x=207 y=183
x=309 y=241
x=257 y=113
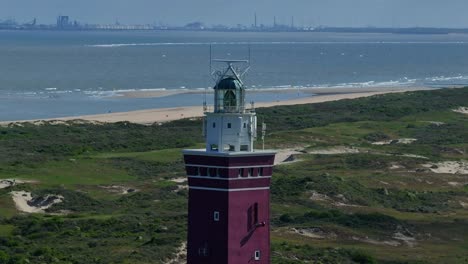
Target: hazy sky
x=398 y=13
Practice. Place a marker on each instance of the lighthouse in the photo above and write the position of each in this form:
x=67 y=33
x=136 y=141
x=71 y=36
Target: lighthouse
x=229 y=182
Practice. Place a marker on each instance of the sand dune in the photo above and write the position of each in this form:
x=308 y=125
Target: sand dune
x=24 y=202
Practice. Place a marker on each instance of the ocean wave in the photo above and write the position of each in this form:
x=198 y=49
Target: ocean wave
x=368 y=84
x=153 y=89
x=100 y=92
x=117 y=45
x=446 y=78
x=120 y=92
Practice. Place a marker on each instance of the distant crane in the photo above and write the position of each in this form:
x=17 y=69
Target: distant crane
x=31 y=23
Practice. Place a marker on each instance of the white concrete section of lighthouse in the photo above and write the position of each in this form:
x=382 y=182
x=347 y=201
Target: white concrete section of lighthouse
x=230 y=131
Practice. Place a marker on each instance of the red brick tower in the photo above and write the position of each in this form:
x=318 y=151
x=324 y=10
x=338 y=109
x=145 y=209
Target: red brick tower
x=229 y=183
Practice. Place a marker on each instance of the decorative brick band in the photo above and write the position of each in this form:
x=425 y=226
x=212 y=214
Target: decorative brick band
x=228 y=167
x=228 y=190
x=237 y=184
x=228 y=179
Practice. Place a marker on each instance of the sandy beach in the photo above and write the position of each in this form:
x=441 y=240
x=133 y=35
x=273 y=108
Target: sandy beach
x=149 y=116
x=305 y=90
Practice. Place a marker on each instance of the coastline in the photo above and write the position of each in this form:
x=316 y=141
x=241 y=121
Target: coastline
x=157 y=93
x=158 y=115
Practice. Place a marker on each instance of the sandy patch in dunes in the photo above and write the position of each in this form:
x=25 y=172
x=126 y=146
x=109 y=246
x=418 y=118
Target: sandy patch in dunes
x=455 y=184
x=180 y=255
x=334 y=150
x=24 y=202
x=8 y=183
x=119 y=189
x=413 y=156
x=338 y=200
x=5 y=183
x=396 y=167
x=462 y=110
x=179 y=180
x=402 y=236
x=436 y=123
x=368 y=240
x=395 y=141
x=286 y=156
x=182 y=186
x=449 y=167
x=341 y=204
x=315 y=196
x=408 y=240
x=314 y=232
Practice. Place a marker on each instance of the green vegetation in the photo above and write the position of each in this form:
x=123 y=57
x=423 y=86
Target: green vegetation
x=360 y=203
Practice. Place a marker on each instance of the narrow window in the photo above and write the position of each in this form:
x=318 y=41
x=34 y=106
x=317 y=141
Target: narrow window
x=214 y=124
x=249 y=219
x=245 y=125
x=255 y=208
x=213 y=172
x=198 y=171
x=260 y=171
x=251 y=172
x=229 y=125
x=244 y=172
x=257 y=255
x=252 y=217
x=216 y=216
x=217 y=172
x=240 y=173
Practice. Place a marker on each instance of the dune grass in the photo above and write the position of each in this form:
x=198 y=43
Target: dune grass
x=365 y=198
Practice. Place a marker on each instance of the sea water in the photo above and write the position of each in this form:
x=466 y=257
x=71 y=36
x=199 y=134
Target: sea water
x=47 y=74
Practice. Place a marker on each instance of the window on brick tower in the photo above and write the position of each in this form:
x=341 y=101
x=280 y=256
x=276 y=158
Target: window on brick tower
x=252 y=217
x=203 y=250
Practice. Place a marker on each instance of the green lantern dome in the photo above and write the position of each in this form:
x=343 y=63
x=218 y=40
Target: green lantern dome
x=228 y=83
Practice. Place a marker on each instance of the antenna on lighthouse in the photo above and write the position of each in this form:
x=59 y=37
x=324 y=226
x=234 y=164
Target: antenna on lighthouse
x=205 y=107
x=211 y=59
x=241 y=67
x=263 y=134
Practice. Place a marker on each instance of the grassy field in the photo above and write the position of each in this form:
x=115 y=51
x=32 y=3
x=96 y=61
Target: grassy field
x=344 y=199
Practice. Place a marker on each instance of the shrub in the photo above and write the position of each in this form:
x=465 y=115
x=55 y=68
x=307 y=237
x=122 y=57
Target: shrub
x=286 y=218
x=362 y=257
x=4 y=257
x=376 y=136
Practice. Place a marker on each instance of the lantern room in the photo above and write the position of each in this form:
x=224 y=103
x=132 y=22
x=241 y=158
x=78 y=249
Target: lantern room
x=229 y=96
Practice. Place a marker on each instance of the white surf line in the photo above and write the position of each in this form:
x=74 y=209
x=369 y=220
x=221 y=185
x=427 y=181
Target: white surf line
x=115 y=45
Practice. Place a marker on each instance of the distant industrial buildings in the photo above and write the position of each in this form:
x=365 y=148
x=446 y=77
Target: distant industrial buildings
x=65 y=22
